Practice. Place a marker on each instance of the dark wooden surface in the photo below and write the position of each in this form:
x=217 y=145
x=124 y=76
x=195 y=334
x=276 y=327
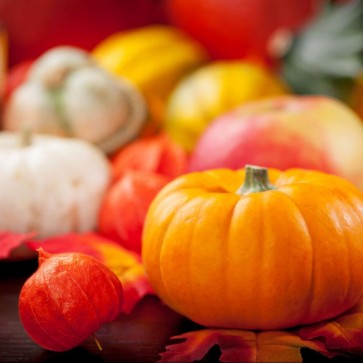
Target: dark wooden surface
x=135 y=338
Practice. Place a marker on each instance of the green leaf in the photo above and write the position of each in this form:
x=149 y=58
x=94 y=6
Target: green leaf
x=327 y=56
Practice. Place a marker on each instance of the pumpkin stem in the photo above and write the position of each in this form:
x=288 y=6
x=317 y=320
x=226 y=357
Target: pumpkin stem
x=256 y=180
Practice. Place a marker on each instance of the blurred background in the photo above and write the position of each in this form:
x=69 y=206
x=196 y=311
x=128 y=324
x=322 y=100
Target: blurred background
x=190 y=62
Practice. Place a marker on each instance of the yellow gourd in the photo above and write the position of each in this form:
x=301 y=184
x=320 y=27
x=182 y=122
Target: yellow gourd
x=212 y=90
x=154 y=58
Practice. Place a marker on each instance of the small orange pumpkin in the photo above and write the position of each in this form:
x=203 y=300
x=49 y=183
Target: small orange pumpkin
x=262 y=256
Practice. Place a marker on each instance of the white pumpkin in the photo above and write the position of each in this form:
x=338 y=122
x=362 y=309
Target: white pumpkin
x=50 y=185
x=67 y=94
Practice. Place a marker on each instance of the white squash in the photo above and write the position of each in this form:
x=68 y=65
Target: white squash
x=67 y=94
x=50 y=185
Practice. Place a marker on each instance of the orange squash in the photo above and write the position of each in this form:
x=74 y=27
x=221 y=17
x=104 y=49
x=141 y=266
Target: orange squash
x=268 y=255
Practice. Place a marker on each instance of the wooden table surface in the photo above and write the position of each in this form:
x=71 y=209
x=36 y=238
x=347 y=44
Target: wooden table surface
x=138 y=337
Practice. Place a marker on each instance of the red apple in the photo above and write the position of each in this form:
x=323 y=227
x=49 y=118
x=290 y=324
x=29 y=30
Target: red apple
x=37 y=25
x=313 y=132
x=235 y=28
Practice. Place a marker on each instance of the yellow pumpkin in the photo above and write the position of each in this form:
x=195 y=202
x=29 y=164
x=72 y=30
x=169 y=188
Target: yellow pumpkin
x=268 y=255
x=154 y=58
x=213 y=90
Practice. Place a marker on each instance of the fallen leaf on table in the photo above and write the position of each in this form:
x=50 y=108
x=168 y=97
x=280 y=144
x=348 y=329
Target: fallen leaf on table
x=240 y=346
x=126 y=264
x=344 y=333
x=9 y=241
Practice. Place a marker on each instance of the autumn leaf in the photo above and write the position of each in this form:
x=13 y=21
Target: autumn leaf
x=124 y=263
x=344 y=333
x=10 y=241
x=240 y=346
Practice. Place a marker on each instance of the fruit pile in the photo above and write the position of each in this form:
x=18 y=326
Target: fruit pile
x=207 y=147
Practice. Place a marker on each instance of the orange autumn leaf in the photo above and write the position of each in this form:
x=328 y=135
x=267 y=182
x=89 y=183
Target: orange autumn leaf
x=125 y=264
x=240 y=346
x=344 y=333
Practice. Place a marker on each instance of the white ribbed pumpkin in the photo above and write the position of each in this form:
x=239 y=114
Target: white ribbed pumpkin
x=67 y=94
x=50 y=185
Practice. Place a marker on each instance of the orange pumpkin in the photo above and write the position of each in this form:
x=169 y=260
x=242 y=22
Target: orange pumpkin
x=261 y=256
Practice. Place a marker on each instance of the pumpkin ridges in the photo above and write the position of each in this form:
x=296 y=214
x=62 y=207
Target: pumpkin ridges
x=289 y=247
x=323 y=268
x=260 y=267
x=310 y=293
x=168 y=243
x=211 y=286
x=244 y=249
x=277 y=220
x=188 y=276
x=341 y=188
x=352 y=204
x=152 y=262
x=192 y=274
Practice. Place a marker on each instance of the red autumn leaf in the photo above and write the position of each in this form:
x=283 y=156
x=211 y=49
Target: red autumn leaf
x=344 y=333
x=240 y=346
x=164 y=157
x=127 y=265
x=10 y=241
